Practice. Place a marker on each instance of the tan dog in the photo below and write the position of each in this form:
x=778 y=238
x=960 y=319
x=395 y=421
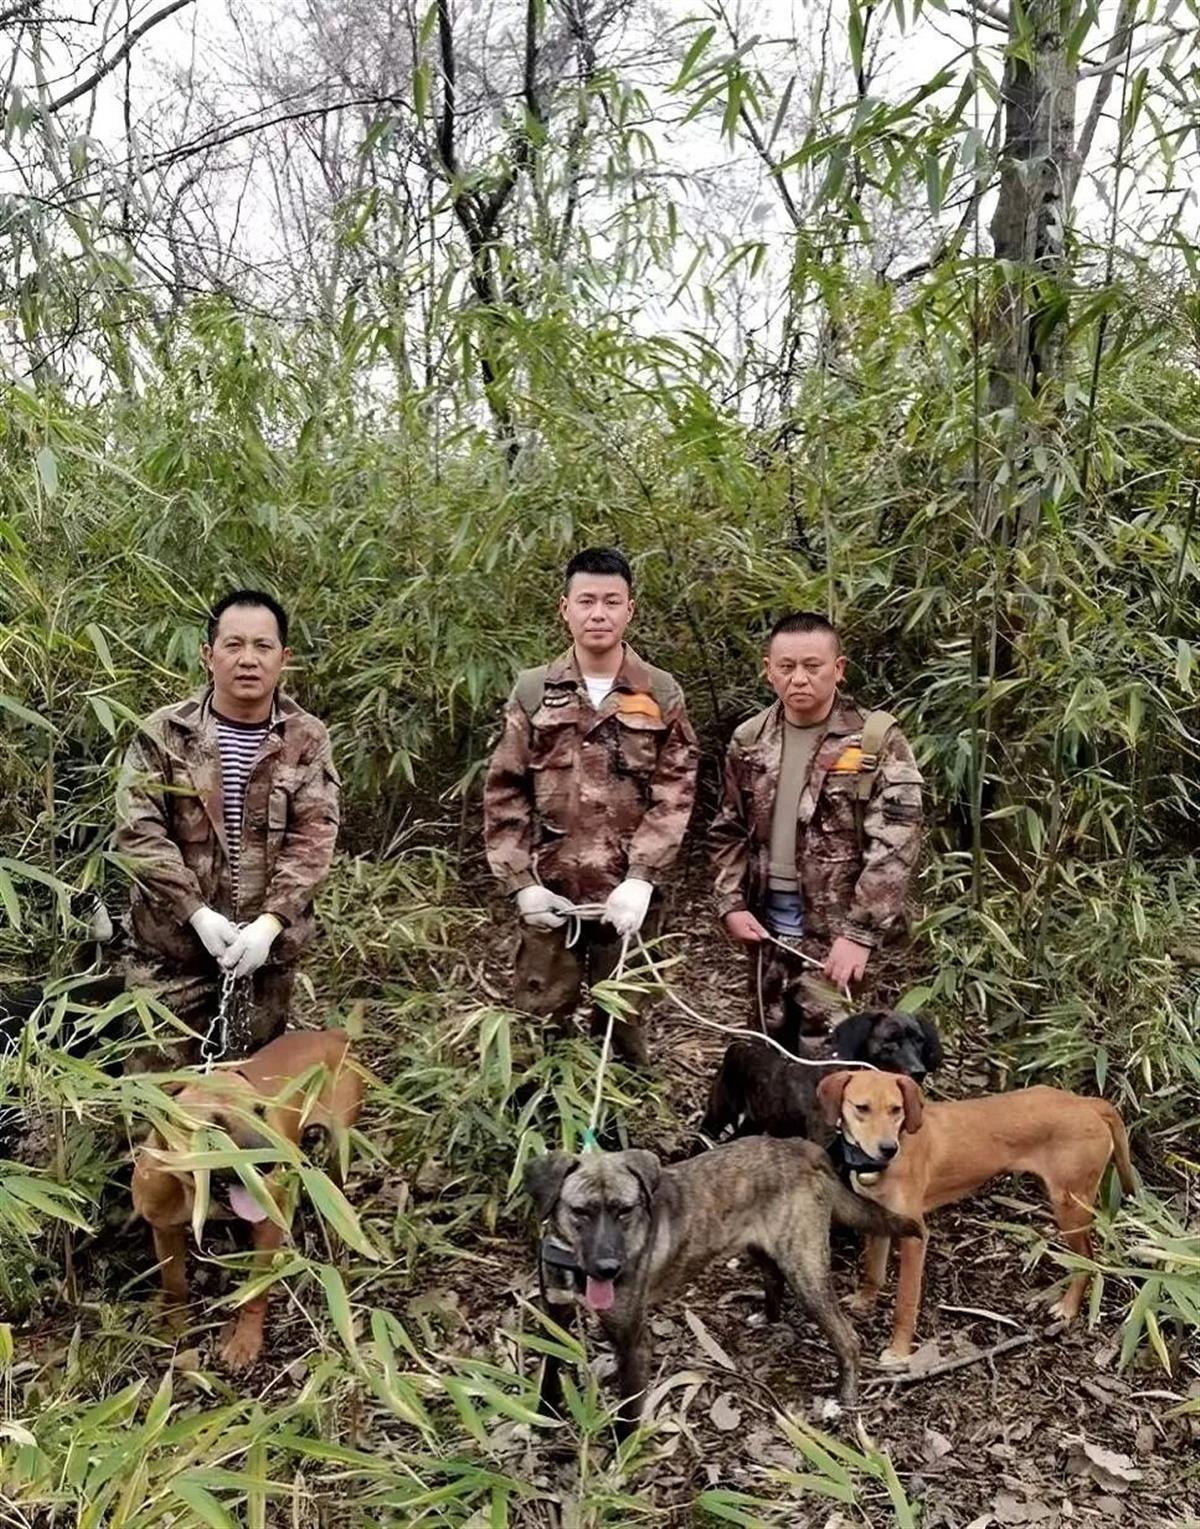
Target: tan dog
x=230 y=1100
x=914 y=1156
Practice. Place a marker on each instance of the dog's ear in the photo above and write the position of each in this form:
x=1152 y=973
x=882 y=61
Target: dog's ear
x=645 y=1168
x=931 y=1043
x=829 y=1095
x=913 y=1105
x=544 y=1179
x=849 y=1039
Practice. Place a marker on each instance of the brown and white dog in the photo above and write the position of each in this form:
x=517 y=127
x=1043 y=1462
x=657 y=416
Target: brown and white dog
x=268 y=1087
x=914 y=1156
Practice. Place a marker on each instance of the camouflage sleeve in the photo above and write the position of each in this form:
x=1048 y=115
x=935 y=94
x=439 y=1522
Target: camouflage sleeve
x=729 y=840
x=892 y=844
x=143 y=836
x=659 y=835
x=306 y=853
x=508 y=804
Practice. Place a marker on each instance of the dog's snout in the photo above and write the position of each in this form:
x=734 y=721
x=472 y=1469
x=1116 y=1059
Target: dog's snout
x=607 y=1268
x=888 y=1150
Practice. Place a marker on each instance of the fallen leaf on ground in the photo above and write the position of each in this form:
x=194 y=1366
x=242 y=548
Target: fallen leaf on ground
x=1108 y=1469
x=724 y=1416
x=706 y=1340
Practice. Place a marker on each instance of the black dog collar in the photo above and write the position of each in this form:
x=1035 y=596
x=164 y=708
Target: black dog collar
x=558 y=1255
x=857 y=1161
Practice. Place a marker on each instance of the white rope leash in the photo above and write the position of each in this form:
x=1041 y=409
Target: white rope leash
x=589 y=1136
x=593 y=912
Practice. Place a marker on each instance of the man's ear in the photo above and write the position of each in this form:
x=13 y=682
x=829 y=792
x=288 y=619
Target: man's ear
x=645 y=1168
x=829 y=1095
x=913 y=1104
x=544 y=1179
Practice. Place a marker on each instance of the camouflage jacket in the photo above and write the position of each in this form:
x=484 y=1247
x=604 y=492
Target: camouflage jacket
x=171 y=828
x=579 y=798
x=859 y=894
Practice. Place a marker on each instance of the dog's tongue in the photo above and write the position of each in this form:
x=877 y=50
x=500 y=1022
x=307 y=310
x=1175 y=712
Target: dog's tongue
x=599 y=1294
x=242 y=1203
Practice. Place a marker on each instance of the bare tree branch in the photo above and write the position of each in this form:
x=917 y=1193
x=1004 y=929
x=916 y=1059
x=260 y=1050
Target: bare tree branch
x=122 y=52
x=1118 y=44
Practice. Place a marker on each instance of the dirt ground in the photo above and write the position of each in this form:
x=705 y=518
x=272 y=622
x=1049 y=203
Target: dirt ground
x=1045 y=1434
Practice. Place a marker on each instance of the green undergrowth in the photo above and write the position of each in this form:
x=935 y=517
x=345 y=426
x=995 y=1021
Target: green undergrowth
x=401 y=1382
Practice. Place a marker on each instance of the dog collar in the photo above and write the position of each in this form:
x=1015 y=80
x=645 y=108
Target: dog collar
x=856 y=1160
x=558 y=1255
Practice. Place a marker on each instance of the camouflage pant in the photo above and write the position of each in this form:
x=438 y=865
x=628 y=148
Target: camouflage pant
x=791 y=998
x=550 y=977
x=258 y=1012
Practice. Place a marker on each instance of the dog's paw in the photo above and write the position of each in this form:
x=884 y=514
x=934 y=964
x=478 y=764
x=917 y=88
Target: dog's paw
x=1063 y=1310
x=241 y=1345
x=892 y=1359
x=828 y=1409
x=862 y=1302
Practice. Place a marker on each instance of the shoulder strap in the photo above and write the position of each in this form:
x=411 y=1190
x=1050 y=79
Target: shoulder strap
x=876 y=726
x=529 y=687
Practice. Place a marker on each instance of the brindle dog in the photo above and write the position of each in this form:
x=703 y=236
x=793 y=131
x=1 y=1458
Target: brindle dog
x=629 y=1231
x=757 y=1090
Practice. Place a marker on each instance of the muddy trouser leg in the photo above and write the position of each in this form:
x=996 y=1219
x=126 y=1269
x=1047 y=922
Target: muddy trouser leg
x=603 y=953
x=790 y=998
x=192 y=996
x=548 y=977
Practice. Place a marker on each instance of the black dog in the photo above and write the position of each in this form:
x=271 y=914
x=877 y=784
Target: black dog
x=758 y=1091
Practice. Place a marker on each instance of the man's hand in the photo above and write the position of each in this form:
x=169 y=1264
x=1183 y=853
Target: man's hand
x=625 y=908
x=846 y=961
x=215 y=931
x=741 y=925
x=252 y=946
x=542 y=908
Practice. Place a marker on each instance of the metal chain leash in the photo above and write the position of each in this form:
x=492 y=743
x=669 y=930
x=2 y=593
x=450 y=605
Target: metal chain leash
x=215 y=1044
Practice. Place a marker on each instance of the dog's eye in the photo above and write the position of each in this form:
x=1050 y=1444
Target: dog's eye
x=863 y=1109
x=624 y=1212
x=583 y=1212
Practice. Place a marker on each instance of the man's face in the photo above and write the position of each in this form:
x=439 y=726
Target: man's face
x=245 y=657
x=804 y=669
x=597 y=609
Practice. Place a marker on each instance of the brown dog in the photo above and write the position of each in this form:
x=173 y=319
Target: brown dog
x=914 y=1156
x=261 y=1087
x=624 y=1232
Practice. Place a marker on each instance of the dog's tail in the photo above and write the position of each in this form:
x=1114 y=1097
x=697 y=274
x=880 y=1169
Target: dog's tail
x=866 y=1215
x=1120 y=1141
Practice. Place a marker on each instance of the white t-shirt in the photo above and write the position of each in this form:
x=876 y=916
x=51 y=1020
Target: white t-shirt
x=598 y=689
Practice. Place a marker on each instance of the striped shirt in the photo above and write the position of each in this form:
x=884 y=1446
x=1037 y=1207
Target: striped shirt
x=239 y=743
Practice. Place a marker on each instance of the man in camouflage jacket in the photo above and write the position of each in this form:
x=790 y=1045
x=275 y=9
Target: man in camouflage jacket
x=220 y=891
x=588 y=796
x=854 y=858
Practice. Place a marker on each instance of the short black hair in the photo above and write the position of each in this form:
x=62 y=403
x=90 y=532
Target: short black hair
x=603 y=560
x=804 y=621
x=248 y=597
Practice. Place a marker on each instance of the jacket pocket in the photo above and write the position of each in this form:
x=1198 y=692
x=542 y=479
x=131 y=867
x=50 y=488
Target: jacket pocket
x=638 y=743
x=900 y=799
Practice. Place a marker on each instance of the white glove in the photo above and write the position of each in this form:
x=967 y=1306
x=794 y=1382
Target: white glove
x=542 y=908
x=216 y=933
x=626 y=906
x=252 y=946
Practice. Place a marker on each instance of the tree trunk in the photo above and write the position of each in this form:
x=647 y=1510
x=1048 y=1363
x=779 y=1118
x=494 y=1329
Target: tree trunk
x=1038 y=174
